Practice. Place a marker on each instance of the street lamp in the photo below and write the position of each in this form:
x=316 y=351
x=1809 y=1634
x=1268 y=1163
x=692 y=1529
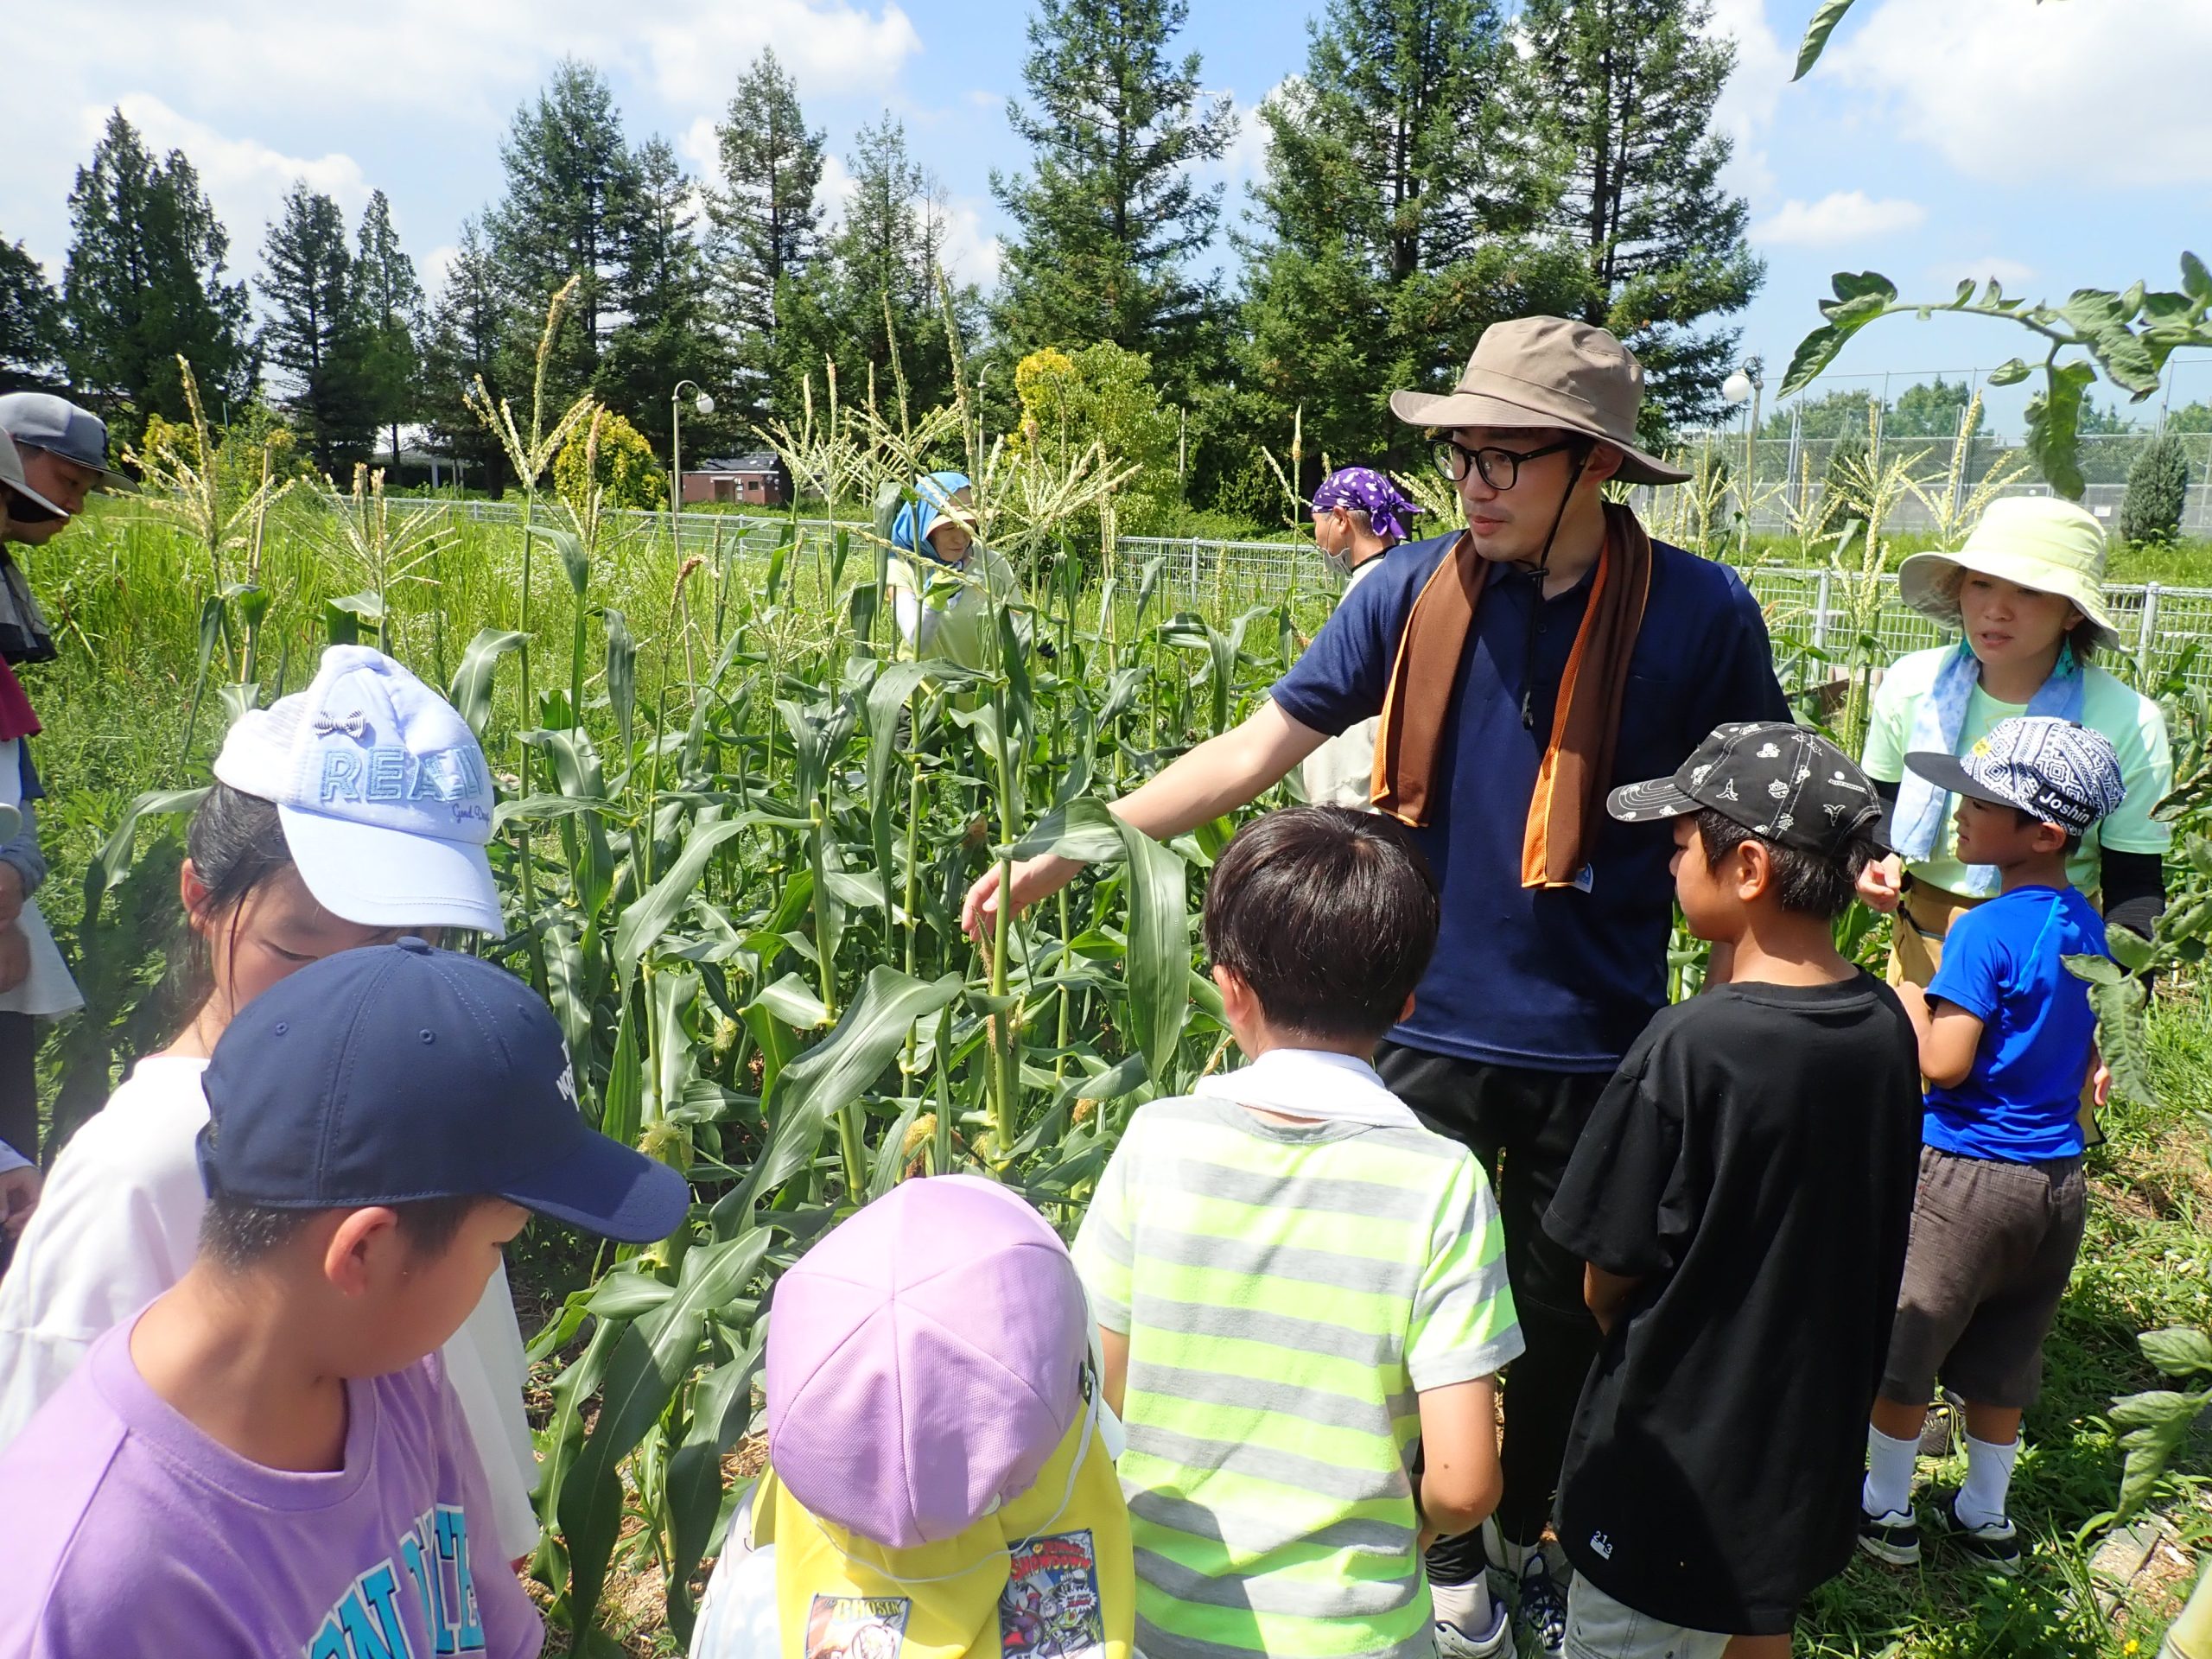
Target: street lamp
x=1741 y=387
x=704 y=404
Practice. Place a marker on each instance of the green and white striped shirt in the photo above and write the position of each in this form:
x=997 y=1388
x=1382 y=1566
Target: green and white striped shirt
x=1288 y=1290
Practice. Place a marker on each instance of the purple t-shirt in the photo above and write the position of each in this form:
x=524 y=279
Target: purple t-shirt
x=126 y=1531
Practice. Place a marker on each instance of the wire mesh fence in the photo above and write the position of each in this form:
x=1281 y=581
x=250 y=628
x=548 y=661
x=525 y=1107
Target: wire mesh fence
x=2160 y=627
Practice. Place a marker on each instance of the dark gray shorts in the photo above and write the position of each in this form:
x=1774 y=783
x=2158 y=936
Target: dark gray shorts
x=1993 y=1246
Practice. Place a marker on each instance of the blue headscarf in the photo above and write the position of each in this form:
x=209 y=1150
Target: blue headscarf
x=933 y=501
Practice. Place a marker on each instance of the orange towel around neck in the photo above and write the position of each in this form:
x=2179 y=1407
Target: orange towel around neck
x=1578 y=764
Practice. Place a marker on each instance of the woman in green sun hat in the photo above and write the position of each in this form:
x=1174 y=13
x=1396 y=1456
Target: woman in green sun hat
x=2026 y=593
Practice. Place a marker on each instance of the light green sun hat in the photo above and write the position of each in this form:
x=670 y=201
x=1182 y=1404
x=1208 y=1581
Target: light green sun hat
x=2033 y=541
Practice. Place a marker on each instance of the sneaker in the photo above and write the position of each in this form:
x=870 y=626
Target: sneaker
x=1894 y=1537
x=1996 y=1546
x=1497 y=1643
x=1543 y=1608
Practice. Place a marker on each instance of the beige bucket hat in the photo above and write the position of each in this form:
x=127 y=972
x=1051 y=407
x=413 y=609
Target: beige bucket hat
x=2032 y=541
x=1547 y=371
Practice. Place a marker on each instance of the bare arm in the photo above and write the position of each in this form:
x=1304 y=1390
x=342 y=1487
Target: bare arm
x=1461 y=1480
x=1948 y=1036
x=1114 y=1347
x=1605 y=1294
x=1222 y=773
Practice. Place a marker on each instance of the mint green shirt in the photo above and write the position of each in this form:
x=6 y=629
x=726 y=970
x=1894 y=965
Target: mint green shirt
x=2135 y=724
x=948 y=610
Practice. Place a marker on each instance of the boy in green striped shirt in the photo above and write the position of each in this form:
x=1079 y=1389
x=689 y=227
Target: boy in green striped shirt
x=1301 y=1290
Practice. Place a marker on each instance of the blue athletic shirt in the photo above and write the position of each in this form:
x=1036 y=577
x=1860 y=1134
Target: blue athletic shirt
x=1560 y=980
x=2002 y=962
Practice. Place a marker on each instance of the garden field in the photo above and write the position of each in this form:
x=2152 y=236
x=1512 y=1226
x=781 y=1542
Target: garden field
x=734 y=833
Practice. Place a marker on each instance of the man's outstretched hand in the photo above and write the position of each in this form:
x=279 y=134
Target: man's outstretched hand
x=1034 y=878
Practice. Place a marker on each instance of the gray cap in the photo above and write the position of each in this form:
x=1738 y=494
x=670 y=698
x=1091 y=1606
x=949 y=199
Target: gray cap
x=39 y=420
x=11 y=477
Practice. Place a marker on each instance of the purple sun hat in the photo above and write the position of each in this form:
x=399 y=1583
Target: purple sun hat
x=924 y=1361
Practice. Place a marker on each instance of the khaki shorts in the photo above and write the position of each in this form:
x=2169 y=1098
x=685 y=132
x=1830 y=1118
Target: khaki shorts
x=1599 y=1627
x=1923 y=918
x=1993 y=1247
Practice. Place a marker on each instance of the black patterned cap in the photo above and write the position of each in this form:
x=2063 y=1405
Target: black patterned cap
x=2061 y=771
x=1782 y=782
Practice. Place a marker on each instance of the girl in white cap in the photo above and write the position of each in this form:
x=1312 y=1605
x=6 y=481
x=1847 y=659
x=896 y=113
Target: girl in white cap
x=351 y=814
x=2026 y=593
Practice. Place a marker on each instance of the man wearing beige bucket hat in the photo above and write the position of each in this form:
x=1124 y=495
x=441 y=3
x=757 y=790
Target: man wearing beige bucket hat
x=2026 y=593
x=1521 y=667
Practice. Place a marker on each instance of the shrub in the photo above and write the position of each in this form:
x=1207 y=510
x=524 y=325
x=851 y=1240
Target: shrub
x=2158 y=487
x=1104 y=394
x=625 y=470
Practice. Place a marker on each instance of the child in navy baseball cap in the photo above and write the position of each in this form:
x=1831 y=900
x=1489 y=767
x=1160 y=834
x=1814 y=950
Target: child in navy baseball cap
x=272 y=1445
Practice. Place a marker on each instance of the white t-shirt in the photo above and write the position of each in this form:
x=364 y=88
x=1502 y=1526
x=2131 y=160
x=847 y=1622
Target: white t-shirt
x=118 y=1223
x=1341 y=772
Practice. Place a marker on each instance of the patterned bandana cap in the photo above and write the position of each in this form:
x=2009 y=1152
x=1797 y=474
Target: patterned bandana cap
x=1783 y=783
x=1389 y=508
x=2060 y=770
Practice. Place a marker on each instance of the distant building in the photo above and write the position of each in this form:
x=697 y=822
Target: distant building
x=757 y=481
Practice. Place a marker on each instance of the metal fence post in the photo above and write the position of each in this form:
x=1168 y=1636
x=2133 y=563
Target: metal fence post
x=1821 y=611
x=2145 y=636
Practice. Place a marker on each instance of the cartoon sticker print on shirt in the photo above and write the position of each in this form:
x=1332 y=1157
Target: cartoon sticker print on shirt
x=858 y=1627
x=1049 y=1609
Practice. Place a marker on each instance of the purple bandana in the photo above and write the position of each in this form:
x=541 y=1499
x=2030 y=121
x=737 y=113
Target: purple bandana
x=1387 y=507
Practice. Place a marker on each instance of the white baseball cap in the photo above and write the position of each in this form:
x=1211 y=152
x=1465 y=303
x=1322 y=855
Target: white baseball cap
x=383 y=791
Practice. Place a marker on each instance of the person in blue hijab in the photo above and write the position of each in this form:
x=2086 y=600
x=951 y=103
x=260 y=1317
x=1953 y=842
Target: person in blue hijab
x=945 y=586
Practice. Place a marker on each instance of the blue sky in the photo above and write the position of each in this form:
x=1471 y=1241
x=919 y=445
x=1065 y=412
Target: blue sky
x=2053 y=145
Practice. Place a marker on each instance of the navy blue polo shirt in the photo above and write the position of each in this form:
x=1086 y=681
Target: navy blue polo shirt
x=1554 y=980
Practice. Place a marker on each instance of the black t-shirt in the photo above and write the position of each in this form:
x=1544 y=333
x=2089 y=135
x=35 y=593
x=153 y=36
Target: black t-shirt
x=1754 y=1162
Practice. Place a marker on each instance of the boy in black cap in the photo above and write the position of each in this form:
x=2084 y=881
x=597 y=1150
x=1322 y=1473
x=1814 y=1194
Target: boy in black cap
x=2007 y=1041
x=268 y=1458
x=1740 y=1199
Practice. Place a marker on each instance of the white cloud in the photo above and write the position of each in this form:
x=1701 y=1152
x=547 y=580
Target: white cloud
x=2009 y=273
x=435 y=266
x=971 y=252
x=246 y=180
x=1839 y=217
x=1747 y=106
x=1246 y=157
x=696 y=50
x=2106 y=91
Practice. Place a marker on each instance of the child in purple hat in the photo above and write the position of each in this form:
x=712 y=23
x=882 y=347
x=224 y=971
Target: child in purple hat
x=940 y=1481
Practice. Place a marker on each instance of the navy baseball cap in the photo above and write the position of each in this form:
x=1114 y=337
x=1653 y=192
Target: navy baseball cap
x=39 y=420
x=396 y=1072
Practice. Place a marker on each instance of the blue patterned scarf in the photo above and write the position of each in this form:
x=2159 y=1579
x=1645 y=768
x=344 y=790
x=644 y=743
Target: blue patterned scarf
x=1916 y=828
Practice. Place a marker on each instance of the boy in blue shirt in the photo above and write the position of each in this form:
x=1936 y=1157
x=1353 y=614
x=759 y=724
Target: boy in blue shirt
x=2006 y=1040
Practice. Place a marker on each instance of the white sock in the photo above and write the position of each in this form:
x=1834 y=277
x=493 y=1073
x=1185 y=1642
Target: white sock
x=1989 y=1479
x=1465 y=1607
x=1889 y=1474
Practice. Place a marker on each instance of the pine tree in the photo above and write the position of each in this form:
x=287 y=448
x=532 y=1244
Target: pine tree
x=763 y=212
x=1110 y=218
x=661 y=287
x=873 y=303
x=471 y=336
x=1396 y=221
x=570 y=181
x=389 y=299
x=1621 y=92
x=143 y=285
x=30 y=321
x=316 y=335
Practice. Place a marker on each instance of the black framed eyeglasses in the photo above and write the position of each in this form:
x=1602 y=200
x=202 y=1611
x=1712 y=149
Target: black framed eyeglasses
x=1500 y=468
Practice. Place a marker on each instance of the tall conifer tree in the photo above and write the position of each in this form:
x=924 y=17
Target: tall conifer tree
x=471 y=336
x=143 y=285
x=316 y=335
x=1110 y=218
x=763 y=214
x=30 y=321
x=666 y=335
x=1620 y=92
x=1395 y=225
x=389 y=296
x=571 y=183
